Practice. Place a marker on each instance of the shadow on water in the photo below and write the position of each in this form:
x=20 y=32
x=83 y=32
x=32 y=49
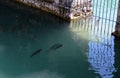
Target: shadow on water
x=36 y=52
x=55 y=47
x=117 y=57
x=52 y=48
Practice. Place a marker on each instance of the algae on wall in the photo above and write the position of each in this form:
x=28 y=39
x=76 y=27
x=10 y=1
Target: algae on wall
x=67 y=9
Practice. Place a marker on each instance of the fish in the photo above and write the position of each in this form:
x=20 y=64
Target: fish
x=55 y=47
x=36 y=52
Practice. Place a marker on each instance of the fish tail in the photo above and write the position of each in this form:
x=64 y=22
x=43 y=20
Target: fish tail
x=31 y=56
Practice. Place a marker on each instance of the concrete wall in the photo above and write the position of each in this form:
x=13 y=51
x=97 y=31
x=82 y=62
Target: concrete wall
x=67 y=9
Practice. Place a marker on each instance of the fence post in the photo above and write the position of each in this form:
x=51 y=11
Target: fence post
x=117 y=28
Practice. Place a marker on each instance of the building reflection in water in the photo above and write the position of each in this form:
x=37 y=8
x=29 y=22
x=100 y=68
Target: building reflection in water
x=97 y=33
x=101 y=58
x=101 y=55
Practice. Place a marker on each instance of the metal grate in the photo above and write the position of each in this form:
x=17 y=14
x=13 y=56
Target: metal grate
x=105 y=9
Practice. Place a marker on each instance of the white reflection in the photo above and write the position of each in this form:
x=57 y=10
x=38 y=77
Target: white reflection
x=81 y=28
x=3 y=76
x=42 y=74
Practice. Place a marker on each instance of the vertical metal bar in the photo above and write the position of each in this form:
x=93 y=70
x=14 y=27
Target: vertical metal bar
x=110 y=16
x=79 y=25
x=85 y=23
x=116 y=8
x=82 y=24
x=84 y=3
x=88 y=8
x=96 y=14
x=102 y=21
x=99 y=7
x=106 y=16
x=86 y=15
x=99 y=16
x=96 y=7
x=93 y=2
x=88 y=24
x=80 y=8
x=93 y=6
x=114 y=12
x=92 y=25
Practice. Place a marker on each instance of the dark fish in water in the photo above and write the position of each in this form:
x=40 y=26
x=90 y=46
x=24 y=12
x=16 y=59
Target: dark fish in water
x=36 y=52
x=55 y=46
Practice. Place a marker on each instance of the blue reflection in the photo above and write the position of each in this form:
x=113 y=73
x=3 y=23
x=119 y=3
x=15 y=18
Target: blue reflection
x=101 y=57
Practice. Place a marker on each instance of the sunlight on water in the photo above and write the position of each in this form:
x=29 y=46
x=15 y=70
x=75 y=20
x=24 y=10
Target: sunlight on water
x=92 y=28
x=41 y=74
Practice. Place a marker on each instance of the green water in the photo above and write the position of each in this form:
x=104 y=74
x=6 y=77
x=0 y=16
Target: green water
x=88 y=51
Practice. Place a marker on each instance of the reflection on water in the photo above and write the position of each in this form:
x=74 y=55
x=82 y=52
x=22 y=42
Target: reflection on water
x=101 y=59
x=101 y=55
x=41 y=74
x=94 y=27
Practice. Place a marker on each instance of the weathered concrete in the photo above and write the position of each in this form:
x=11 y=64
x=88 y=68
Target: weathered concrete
x=67 y=9
x=117 y=28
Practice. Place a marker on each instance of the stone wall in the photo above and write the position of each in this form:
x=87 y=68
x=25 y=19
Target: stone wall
x=67 y=9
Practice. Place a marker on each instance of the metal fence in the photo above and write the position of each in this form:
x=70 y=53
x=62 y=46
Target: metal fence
x=105 y=9
x=103 y=21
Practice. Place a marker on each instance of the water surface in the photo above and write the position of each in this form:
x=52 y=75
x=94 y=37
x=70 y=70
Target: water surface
x=88 y=51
